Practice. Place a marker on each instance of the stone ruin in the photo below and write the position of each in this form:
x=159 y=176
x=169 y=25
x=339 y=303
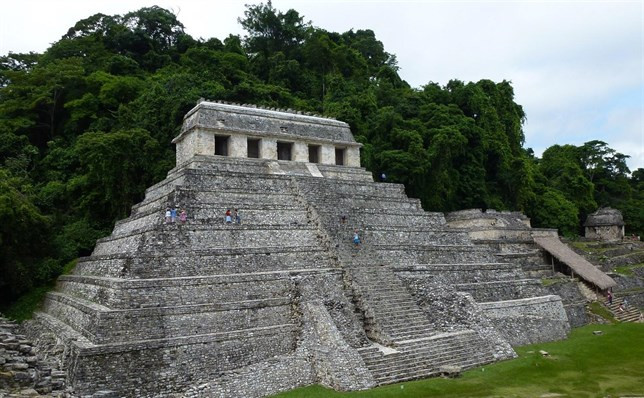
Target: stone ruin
x=22 y=372
x=285 y=299
x=514 y=241
x=605 y=224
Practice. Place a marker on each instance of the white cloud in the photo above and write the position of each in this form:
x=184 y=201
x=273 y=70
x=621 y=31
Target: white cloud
x=571 y=62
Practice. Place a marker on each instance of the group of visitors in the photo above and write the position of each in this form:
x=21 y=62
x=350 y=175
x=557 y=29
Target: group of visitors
x=171 y=215
x=230 y=216
x=621 y=307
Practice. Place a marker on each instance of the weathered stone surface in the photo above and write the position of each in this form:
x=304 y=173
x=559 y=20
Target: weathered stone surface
x=335 y=363
x=22 y=372
x=284 y=299
x=235 y=124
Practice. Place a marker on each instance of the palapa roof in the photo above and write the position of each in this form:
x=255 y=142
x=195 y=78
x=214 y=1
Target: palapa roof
x=604 y=217
x=577 y=263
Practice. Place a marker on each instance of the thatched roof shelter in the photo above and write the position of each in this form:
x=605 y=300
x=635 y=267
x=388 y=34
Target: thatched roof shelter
x=579 y=265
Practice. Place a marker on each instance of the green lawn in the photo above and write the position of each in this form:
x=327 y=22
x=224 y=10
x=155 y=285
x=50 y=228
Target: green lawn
x=628 y=270
x=585 y=365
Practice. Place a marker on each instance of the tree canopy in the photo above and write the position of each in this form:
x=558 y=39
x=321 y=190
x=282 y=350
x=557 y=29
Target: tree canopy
x=86 y=126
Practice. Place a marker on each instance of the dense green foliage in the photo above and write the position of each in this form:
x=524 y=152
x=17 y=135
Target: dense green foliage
x=86 y=126
x=584 y=365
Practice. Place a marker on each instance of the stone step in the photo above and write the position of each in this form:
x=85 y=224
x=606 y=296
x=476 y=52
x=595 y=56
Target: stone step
x=280 y=332
x=425 y=373
x=387 y=296
x=413 y=254
x=117 y=293
x=373 y=208
x=402 y=322
x=389 y=292
x=415 y=322
x=220 y=225
x=252 y=218
x=424 y=357
x=498 y=290
x=414 y=326
x=375 y=357
x=188 y=238
x=417 y=354
x=337 y=186
x=337 y=205
x=409 y=334
x=209 y=180
x=408 y=362
x=629 y=313
x=104 y=325
x=208 y=262
x=402 y=307
x=191 y=198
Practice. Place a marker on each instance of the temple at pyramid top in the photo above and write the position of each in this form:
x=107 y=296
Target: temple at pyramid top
x=237 y=131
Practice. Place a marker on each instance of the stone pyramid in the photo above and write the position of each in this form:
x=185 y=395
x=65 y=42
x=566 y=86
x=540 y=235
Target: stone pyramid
x=285 y=298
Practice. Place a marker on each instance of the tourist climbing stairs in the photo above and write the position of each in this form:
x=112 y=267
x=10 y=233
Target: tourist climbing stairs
x=623 y=312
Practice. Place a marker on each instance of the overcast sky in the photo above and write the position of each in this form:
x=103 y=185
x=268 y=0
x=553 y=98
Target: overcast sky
x=577 y=67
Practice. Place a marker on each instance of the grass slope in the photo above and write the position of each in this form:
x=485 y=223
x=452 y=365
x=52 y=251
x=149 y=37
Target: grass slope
x=23 y=308
x=585 y=365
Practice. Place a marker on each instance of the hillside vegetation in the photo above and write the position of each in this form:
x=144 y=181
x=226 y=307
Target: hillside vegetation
x=86 y=126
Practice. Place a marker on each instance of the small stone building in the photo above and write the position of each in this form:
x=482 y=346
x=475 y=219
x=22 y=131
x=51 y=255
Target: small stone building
x=605 y=224
x=250 y=132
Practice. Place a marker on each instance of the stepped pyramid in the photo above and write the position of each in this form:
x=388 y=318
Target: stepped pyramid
x=285 y=299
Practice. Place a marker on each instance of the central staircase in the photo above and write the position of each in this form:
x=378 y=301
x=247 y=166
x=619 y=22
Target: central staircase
x=391 y=313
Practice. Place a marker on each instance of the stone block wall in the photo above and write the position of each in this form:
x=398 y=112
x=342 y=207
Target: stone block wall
x=128 y=294
x=477 y=219
x=391 y=236
x=530 y=320
x=448 y=254
x=331 y=289
x=498 y=290
x=261 y=379
x=574 y=301
x=454 y=273
x=23 y=369
x=449 y=310
x=336 y=364
x=161 y=368
x=209 y=262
